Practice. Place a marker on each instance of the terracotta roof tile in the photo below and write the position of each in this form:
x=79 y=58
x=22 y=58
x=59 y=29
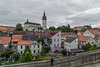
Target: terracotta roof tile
x=80 y=33
x=22 y=42
x=95 y=32
x=9 y=28
x=16 y=38
x=4 y=40
x=3 y=28
x=84 y=38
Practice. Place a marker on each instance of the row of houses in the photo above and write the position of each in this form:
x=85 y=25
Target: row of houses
x=56 y=40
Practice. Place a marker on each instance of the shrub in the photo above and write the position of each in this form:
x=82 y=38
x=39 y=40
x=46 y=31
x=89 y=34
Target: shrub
x=47 y=49
x=16 y=56
x=64 y=52
x=27 y=49
x=86 y=47
x=43 y=52
x=27 y=57
x=6 y=53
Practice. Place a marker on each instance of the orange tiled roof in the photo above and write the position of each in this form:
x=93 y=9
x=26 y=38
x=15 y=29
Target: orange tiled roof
x=80 y=33
x=9 y=28
x=80 y=27
x=4 y=40
x=84 y=38
x=16 y=38
x=24 y=42
x=76 y=28
x=95 y=32
x=3 y=28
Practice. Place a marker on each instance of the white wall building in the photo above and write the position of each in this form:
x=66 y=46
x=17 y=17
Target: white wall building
x=94 y=34
x=31 y=26
x=71 y=43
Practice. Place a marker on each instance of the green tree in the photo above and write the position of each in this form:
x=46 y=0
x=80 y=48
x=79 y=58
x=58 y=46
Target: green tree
x=19 y=27
x=64 y=29
x=27 y=57
x=46 y=49
x=16 y=56
x=6 y=53
x=40 y=28
x=76 y=31
x=64 y=52
x=41 y=40
x=27 y=49
x=86 y=47
x=43 y=52
x=92 y=48
x=52 y=28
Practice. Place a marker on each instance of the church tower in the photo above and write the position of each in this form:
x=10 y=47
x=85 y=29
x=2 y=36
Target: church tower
x=44 y=21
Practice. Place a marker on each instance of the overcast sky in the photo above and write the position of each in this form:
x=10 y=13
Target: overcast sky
x=58 y=12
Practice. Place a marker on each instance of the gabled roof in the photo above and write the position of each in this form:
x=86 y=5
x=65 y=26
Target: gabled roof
x=16 y=38
x=4 y=40
x=22 y=42
x=84 y=38
x=80 y=33
x=9 y=28
x=3 y=28
x=68 y=33
x=69 y=40
x=46 y=34
x=95 y=32
x=31 y=23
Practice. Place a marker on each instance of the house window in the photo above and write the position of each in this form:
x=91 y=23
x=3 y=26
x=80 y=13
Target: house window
x=21 y=47
x=58 y=34
x=34 y=51
x=58 y=45
x=38 y=46
x=21 y=52
x=54 y=40
x=58 y=40
x=34 y=46
x=54 y=45
x=92 y=42
x=30 y=46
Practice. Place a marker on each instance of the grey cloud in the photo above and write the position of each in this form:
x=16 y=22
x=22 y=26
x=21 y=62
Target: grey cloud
x=57 y=12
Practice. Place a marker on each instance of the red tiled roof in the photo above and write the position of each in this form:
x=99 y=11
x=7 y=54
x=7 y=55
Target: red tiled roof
x=3 y=28
x=84 y=38
x=24 y=42
x=9 y=28
x=4 y=40
x=46 y=34
x=31 y=23
x=95 y=32
x=80 y=33
x=76 y=28
x=16 y=38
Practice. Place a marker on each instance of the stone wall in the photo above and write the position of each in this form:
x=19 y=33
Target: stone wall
x=73 y=61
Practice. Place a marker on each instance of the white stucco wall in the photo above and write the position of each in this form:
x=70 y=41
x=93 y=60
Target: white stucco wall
x=87 y=33
x=72 y=45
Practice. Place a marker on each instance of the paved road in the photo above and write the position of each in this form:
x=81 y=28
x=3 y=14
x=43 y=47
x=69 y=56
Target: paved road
x=93 y=65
